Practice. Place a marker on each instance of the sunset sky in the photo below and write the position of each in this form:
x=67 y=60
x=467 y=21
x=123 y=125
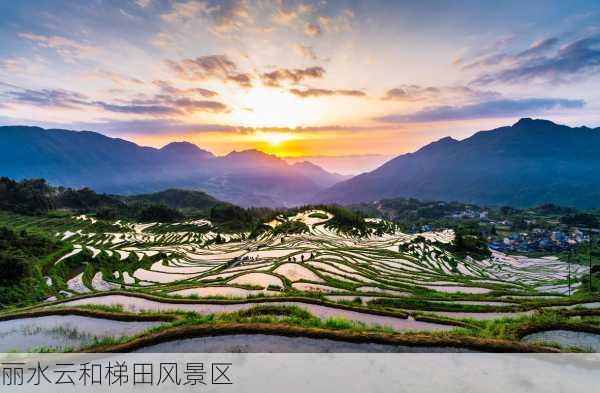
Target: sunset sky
x=297 y=78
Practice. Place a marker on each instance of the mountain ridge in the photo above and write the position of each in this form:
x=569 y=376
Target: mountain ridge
x=531 y=162
x=112 y=165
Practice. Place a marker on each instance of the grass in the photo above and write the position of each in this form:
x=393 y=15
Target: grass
x=294 y=315
x=342 y=333
x=283 y=319
x=437 y=265
x=115 y=308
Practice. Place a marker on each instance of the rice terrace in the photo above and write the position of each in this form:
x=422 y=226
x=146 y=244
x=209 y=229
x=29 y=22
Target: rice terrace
x=309 y=280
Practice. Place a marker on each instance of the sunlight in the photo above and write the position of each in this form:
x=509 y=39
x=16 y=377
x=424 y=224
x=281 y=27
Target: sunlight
x=273 y=138
x=267 y=107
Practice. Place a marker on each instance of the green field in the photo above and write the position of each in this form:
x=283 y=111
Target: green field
x=315 y=274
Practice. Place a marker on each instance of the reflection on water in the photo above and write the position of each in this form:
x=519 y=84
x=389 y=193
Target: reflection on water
x=482 y=316
x=136 y=304
x=262 y=343
x=62 y=331
x=566 y=338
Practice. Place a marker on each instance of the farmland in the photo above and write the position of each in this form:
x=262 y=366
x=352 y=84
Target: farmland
x=303 y=275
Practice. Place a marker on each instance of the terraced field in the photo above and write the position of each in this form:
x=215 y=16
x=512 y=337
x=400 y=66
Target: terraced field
x=383 y=281
x=391 y=264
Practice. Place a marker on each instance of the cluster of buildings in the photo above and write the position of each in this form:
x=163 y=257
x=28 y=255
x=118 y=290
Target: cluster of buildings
x=471 y=214
x=533 y=237
x=539 y=239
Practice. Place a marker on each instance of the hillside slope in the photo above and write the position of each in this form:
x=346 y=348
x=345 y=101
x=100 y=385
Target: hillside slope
x=110 y=165
x=529 y=163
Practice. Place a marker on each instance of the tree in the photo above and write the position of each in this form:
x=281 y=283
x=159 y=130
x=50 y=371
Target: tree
x=13 y=266
x=585 y=220
x=25 y=197
x=159 y=213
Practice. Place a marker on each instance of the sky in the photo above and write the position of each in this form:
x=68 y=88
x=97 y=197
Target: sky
x=297 y=78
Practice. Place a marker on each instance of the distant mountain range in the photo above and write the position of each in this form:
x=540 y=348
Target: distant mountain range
x=78 y=159
x=176 y=199
x=348 y=165
x=529 y=163
x=320 y=176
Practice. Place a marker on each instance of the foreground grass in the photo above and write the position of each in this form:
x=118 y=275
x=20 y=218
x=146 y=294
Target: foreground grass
x=289 y=320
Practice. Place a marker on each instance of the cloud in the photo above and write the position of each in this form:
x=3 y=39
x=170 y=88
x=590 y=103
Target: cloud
x=137 y=109
x=242 y=79
x=204 y=67
x=150 y=126
x=306 y=52
x=576 y=59
x=46 y=97
x=289 y=16
x=539 y=47
x=209 y=67
x=173 y=126
x=162 y=105
x=312 y=29
x=184 y=11
x=324 y=23
x=487 y=109
x=158 y=105
x=116 y=78
x=295 y=76
x=341 y=22
x=190 y=106
x=246 y=18
x=167 y=88
x=65 y=47
x=536 y=49
x=230 y=16
x=160 y=126
x=326 y=92
x=165 y=40
x=491 y=60
x=309 y=19
x=143 y=3
x=486 y=49
x=225 y=16
x=414 y=93
x=411 y=93
x=30 y=65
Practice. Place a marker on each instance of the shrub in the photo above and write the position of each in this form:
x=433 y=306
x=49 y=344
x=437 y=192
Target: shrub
x=159 y=213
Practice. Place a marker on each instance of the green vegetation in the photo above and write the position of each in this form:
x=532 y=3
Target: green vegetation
x=26 y=197
x=36 y=197
x=232 y=218
x=410 y=213
x=468 y=241
x=346 y=220
x=584 y=220
x=178 y=199
x=159 y=213
x=199 y=242
x=290 y=227
x=23 y=258
x=501 y=334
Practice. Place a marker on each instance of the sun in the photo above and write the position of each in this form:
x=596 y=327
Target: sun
x=268 y=107
x=273 y=138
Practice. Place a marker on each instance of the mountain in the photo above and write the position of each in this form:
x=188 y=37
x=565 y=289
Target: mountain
x=178 y=199
x=319 y=175
x=110 y=165
x=345 y=165
x=529 y=163
x=184 y=151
